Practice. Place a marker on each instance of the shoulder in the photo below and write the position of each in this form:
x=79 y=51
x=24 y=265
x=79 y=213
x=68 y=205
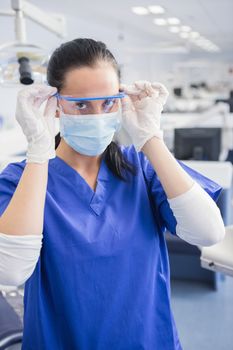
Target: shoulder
x=131 y=154
x=13 y=171
x=139 y=160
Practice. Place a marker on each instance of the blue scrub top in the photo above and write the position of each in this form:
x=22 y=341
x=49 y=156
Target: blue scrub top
x=102 y=279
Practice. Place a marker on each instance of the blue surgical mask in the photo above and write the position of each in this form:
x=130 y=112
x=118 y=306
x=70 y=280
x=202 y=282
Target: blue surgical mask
x=89 y=134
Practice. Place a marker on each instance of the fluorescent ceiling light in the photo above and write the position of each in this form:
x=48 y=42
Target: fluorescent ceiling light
x=139 y=10
x=200 y=42
x=160 y=21
x=185 y=28
x=174 y=29
x=203 y=41
x=156 y=10
x=206 y=44
x=173 y=21
x=184 y=35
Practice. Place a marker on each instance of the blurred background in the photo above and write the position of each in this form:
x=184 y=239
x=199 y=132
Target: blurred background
x=186 y=45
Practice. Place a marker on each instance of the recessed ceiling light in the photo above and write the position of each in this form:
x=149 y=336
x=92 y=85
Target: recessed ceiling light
x=174 y=29
x=184 y=35
x=185 y=28
x=139 y=10
x=194 y=35
x=213 y=48
x=156 y=10
x=160 y=21
x=173 y=21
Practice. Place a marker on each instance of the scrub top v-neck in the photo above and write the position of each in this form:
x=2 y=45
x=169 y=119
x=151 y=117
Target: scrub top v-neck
x=102 y=279
x=92 y=197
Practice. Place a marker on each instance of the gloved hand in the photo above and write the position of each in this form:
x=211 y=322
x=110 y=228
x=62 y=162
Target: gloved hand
x=38 y=127
x=141 y=111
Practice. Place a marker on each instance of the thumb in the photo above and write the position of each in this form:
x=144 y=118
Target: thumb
x=50 y=108
x=49 y=115
x=127 y=104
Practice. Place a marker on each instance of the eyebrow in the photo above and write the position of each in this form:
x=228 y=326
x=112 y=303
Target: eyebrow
x=68 y=98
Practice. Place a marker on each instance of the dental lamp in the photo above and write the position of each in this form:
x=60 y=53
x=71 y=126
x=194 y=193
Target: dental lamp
x=21 y=61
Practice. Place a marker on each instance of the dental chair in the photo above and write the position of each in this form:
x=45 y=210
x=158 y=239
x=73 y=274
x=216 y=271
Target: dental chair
x=11 y=328
x=219 y=257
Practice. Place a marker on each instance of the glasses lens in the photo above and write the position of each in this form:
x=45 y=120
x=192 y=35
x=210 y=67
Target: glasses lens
x=89 y=107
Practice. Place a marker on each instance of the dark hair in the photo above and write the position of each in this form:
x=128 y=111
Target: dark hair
x=79 y=53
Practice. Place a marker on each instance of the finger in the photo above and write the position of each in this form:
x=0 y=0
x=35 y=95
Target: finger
x=129 y=89
x=38 y=100
x=139 y=90
x=37 y=91
x=36 y=95
x=142 y=84
x=145 y=89
x=163 y=92
x=51 y=107
x=122 y=87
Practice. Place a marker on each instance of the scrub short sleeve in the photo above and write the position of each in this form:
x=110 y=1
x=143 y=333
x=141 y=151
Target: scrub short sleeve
x=158 y=197
x=9 y=179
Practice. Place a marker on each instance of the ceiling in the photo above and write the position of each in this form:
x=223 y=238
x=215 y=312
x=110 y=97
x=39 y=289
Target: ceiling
x=211 y=18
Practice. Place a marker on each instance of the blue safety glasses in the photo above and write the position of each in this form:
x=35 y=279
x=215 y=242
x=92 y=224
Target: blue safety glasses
x=86 y=105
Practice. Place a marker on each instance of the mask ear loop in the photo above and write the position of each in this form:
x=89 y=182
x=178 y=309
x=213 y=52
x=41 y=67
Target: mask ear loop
x=119 y=117
x=59 y=107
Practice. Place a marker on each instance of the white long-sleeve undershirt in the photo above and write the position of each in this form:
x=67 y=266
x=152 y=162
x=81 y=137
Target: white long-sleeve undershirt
x=199 y=220
x=18 y=257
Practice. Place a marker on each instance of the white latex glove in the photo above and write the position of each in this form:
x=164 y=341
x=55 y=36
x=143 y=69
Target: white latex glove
x=38 y=127
x=141 y=111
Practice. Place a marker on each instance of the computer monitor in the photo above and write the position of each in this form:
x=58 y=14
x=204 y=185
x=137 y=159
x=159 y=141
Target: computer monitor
x=177 y=91
x=197 y=143
x=229 y=101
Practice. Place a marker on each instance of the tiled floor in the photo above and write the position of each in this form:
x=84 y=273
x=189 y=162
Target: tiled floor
x=204 y=317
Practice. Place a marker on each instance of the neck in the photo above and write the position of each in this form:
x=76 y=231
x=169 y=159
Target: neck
x=79 y=162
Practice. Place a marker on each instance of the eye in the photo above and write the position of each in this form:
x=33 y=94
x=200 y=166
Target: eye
x=80 y=105
x=109 y=103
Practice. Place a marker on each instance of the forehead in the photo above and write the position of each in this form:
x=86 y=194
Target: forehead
x=91 y=81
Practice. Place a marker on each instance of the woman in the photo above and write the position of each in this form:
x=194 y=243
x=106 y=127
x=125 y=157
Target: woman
x=99 y=279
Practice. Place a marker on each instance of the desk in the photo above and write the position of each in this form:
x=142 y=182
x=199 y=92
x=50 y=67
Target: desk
x=185 y=258
x=196 y=120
